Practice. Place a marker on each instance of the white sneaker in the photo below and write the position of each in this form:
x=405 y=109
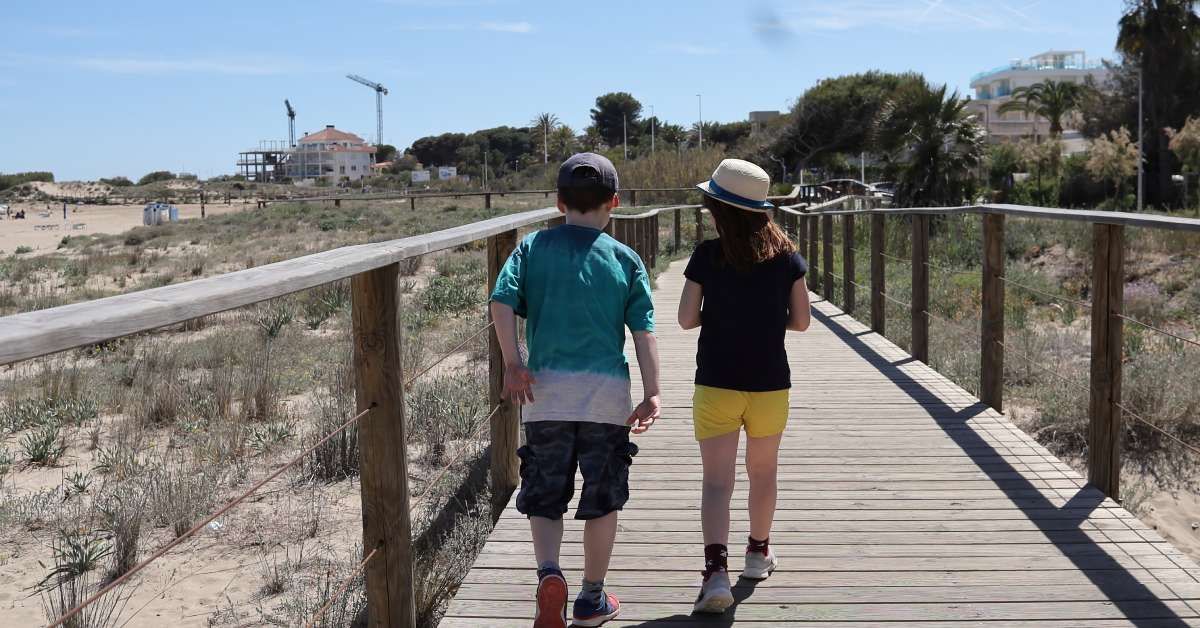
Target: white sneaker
x=759 y=566
x=715 y=594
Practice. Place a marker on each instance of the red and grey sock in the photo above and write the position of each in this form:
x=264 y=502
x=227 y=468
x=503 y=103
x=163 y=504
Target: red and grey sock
x=716 y=558
x=761 y=547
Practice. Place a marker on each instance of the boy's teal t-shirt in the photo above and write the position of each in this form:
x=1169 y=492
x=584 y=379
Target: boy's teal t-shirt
x=578 y=288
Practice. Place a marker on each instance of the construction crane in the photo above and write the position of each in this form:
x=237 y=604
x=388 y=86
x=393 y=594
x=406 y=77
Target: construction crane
x=291 y=123
x=380 y=92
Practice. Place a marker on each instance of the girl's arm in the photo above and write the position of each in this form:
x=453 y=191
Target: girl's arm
x=689 y=304
x=799 y=315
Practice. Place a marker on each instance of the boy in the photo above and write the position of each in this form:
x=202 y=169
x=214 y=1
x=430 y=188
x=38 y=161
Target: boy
x=577 y=288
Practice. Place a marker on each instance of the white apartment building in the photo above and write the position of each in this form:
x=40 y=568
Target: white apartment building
x=995 y=87
x=331 y=154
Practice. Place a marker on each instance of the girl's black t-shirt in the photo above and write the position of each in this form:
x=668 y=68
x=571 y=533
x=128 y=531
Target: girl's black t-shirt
x=743 y=319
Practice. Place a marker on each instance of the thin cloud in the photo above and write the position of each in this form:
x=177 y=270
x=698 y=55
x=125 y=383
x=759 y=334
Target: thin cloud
x=507 y=27
x=690 y=49
x=519 y=28
x=913 y=16
x=133 y=65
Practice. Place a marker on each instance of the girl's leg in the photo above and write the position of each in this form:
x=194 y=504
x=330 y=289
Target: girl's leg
x=762 y=465
x=719 y=455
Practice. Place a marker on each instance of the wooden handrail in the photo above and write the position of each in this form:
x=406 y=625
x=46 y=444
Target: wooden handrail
x=33 y=334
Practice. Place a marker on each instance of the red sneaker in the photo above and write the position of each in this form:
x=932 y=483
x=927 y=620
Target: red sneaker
x=551 y=601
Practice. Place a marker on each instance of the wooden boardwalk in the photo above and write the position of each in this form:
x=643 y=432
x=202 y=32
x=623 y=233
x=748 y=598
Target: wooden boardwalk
x=903 y=500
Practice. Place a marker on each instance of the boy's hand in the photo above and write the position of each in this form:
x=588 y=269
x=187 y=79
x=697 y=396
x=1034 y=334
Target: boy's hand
x=518 y=384
x=644 y=415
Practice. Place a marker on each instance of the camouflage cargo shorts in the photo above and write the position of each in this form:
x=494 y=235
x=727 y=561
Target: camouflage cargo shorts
x=553 y=451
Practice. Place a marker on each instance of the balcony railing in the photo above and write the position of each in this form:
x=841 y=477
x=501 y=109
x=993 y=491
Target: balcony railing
x=1037 y=67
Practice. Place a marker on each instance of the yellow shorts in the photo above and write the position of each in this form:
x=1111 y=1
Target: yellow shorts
x=717 y=411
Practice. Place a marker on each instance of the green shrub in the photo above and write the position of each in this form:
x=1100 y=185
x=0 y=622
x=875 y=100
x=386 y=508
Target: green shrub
x=155 y=177
x=22 y=249
x=451 y=295
x=43 y=446
x=15 y=179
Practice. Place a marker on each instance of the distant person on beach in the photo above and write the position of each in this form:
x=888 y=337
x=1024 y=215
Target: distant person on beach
x=744 y=290
x=578 y=289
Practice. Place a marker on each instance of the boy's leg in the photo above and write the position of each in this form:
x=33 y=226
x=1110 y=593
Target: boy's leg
x=547 y=539
x=598 y=538
x=547 y=483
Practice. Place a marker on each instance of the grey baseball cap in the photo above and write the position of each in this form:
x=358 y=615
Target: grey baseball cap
x=587 y=169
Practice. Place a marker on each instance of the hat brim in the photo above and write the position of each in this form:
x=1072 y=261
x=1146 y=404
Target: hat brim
x=761 y=207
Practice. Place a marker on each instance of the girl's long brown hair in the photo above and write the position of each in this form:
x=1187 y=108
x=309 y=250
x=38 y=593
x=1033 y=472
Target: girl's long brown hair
x=747 y=237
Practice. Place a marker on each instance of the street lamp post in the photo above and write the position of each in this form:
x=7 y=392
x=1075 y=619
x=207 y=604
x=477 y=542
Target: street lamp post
x=625 y=135
x=700 y=127
x=1139 y=142
x=653 y=123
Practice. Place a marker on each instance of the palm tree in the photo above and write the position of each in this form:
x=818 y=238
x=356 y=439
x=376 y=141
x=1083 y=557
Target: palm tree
x=1160 y=37
x=543 y=125
x=932 y=141
x=563 y=142
x=1051 y=100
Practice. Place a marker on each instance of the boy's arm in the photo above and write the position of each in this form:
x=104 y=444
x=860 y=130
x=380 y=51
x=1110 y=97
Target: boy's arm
x=518 y=381
x=646 y=413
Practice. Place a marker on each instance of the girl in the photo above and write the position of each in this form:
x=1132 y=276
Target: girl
x=743 y=290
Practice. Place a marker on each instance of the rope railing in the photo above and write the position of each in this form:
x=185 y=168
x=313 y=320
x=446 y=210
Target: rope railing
x=472 y=336
x=1034 y=363
x=1050 y=295
x=1137 y=417
x=342 y=587
x=160 y=552
x=477 y=432
x=1158 y=330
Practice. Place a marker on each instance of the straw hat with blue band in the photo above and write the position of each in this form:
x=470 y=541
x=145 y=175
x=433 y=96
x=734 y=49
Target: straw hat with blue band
x=740 y=183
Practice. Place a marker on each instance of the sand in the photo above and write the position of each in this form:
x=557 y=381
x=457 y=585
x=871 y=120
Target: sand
x=82 y=220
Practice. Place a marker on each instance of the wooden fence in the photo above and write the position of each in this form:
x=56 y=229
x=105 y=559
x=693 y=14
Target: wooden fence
x=373 y=271
x=814 y=226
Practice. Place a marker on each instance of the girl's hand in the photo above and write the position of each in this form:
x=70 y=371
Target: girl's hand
x=518 y=384
x=644 y=415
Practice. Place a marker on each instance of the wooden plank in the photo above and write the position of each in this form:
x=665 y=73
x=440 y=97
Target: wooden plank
x=379 y=387
x=920 y=288
x=1108 y=287
x=848 y=274
x=506 y=424
x=992 y=317
x=827 y=256
x=814 y=261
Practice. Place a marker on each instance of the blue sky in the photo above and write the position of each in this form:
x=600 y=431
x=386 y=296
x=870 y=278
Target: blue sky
x=91 y=89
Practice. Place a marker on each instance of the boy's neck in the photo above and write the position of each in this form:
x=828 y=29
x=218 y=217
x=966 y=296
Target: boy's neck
x=595 y=219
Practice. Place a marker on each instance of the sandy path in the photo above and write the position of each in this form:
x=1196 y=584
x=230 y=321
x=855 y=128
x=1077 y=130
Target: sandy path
x=93 y=218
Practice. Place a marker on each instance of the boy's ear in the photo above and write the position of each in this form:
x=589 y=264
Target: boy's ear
x=562 y=207
x=616 y=201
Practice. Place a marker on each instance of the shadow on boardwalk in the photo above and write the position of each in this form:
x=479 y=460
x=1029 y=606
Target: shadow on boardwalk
x=1122 y=588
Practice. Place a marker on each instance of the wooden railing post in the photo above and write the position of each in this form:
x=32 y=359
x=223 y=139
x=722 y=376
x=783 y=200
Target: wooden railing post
x=506 y=424
x=802 y=234
x=487 y=201
x=920 y=287
x=412 y=203
x=678 y=231
x=827 y=256
x=878 y=278
x=654 y=235
x=1108 y=292
x=814 y=260
x=848 y=276
x=699 y=225
x=991 y=367
x=633 y=198
x=379 y=385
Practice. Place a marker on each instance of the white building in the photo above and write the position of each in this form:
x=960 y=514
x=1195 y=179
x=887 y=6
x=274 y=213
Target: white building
x=331 y=154
x=995 y=87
